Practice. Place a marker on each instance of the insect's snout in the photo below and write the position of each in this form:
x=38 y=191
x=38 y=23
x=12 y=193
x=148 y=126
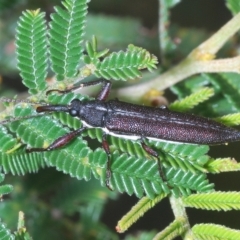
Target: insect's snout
x=52 y=108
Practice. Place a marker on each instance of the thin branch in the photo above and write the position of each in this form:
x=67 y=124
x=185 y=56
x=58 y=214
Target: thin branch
x=198 y=61
x=180 y=213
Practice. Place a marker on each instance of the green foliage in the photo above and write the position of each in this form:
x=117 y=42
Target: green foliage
x=20 y=162
x=137 y=211
x=4 y=189
x=230 y=119
x=7 y=141
x=133 y=171
x=214 y=201
x=5 y=233
x=214 y=231
x=226 y=93
x=222 y=165
x=31 y=45
x=234 y=6
x=176 y=228
x=121 y=65
x=191 y=101
x=66 y=35
x=125 y=65
x=142 y=236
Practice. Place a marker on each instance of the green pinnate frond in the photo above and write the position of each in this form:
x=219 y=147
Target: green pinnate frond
x=67 y=120
x=66 y=36
x=230 y=119
x=215 y=232
x=92 y=54
x=137 y=211
x=233 y=6
x=31 y=48
x=5 y=233
x=20 y=162
x=214 y=201
x=94 y=133
x=149 y=60
x=74 y=160
x=175 y=229
x=138 y=175
x=37 y=132
x=192 y=100
x=189 y=157
x=125 y=65
x=229 y=85
x=128 y=146
x=186 y=182
x=7 y=140
x=4 y=189
x=141 y=235
x=66 y=98
x=222 y=165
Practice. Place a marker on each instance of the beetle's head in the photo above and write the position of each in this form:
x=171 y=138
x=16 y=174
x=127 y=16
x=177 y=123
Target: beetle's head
x=74 y=107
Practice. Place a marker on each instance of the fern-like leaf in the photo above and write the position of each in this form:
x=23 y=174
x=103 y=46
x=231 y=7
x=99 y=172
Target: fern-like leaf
x=139 y=175
x=222 y=165
x=4 y=189
x=66 y=35
x=188 y=157
x=230 y=119
x=215 y=232
x=7 y=141
x=31 y=48
x=175 y=229
x=137 y=212
x=5 y=233
x=214 y=201
x=192 y=100
x=125 y=65
x=20 y=163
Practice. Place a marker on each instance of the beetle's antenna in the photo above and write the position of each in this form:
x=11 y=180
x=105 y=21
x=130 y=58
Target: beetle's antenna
x=14 y=119
x=10 y=100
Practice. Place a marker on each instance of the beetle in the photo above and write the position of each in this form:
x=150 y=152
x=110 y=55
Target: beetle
x=136 y=122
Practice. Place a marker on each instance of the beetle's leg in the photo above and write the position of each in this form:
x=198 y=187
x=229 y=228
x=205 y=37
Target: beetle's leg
x=153 y=153
x=60 y=142
x=103 y=94
x=107 y=150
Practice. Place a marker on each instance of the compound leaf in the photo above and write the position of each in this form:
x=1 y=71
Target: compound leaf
x=66 y=36
x=31 y=48
x=125 y=65
x=214 y=231
x=214 y=201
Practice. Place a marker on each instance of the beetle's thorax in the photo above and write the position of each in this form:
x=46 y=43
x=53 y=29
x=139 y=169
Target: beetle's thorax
x=92 y=112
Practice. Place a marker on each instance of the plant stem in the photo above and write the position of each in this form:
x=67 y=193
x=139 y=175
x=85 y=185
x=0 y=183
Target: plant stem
x=198 y=61
x=180 y=212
